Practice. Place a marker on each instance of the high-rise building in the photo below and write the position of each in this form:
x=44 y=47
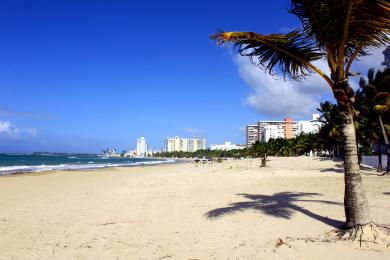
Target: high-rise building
x=141 y=147
x=273 y=130
x=312 y=126
x=196 y=143
x=386 y=62
x=193 y=144
x=288 y=128
x=252 y=134
x=177 y=144
x=184 y=144
x=169 y=144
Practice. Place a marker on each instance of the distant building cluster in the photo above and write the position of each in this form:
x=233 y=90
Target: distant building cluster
x=177 y=144
x=288 y=128
x=227 y=146
x=386 y=62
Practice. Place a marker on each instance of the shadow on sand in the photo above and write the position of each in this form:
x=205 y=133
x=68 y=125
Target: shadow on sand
x=386 y=193
x=280 y=205
x=337 y=169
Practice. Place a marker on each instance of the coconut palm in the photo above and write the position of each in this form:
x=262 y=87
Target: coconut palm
x=260 y=149
x=330 y=135
x=373 y=100
x=338 y=31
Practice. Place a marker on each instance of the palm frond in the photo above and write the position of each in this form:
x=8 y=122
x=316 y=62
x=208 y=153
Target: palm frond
x=344 y=28
x=313 y=24
x=382 y=100
x=291 y=53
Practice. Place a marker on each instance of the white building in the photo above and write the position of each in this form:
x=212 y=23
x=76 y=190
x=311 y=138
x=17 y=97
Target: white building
x=252 y=134
x=265 y=130
x=304 y=127
x=227 y=146
x=312 y=126
x=273 y=131
x=184 y=144
x=177 y=144
x=277 y=129
x=142 y=147
x=169 y=144
x=196 y=144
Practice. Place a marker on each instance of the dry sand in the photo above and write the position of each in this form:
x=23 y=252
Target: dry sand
x=231 y=210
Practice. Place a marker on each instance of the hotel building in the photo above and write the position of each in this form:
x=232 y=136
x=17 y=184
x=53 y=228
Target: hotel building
x=288 y=128
x=252 y=134
x=177 y=144
x=141 y=147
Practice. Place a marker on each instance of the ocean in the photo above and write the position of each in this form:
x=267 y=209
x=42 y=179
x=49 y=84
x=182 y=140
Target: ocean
x=23 y=163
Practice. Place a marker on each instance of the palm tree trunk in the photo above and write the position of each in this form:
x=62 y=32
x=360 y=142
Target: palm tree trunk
x=355 y=200
x=379 y=168
x=386 y=142
x=388 y=159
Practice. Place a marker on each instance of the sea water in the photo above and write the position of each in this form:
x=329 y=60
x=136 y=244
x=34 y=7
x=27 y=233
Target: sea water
x=23 y=163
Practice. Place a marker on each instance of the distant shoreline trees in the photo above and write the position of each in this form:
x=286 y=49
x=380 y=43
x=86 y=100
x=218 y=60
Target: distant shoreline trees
x=296 y=146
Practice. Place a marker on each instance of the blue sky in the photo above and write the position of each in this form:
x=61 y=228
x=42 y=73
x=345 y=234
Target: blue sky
x=80 y=76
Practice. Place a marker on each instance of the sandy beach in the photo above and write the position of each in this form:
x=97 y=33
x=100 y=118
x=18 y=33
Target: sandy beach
x=229 y=210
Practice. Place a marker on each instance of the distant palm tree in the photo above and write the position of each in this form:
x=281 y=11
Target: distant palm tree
x=373 y=100
x=338 y=31
x=330 y=133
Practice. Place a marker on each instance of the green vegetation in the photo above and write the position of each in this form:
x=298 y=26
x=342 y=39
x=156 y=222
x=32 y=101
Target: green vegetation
x=275 y=147
x=373 y=104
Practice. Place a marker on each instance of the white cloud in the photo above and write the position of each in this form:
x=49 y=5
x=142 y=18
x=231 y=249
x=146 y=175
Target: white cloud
x=7 y=130
x=4 y=127
x=275 y=97
x=372 y=61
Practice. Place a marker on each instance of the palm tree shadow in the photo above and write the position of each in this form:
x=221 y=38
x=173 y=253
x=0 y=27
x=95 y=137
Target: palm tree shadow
x=280 y=205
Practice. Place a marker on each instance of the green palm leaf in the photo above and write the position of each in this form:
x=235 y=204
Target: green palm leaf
x=290 y=52
x=344 y=28
x=340 y=30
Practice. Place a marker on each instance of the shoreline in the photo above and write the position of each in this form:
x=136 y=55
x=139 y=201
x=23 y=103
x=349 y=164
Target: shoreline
x=88 y=167
x=159 y=161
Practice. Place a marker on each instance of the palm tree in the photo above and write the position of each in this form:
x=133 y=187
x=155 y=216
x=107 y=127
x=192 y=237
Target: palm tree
x=338 y=31
x=373 y=100
x=260 y=149
x=330 y=135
